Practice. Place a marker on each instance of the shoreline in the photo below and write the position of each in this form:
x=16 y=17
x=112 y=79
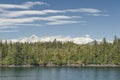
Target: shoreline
x=70 y=65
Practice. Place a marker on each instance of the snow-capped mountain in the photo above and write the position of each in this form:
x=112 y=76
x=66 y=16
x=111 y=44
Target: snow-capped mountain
x=78 y=40
x=32 y=38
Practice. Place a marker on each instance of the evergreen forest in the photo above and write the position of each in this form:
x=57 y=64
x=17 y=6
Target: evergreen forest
x=59 y=53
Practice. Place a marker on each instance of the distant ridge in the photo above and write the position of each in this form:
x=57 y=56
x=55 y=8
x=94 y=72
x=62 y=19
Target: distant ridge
x=33 y=38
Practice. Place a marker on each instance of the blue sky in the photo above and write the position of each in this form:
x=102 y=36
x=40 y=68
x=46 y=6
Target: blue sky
x=75 y=18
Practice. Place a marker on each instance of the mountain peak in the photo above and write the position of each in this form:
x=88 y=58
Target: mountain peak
x=77 y=40
x=33 y=37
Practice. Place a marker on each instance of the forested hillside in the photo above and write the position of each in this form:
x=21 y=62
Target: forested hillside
x=58 y=53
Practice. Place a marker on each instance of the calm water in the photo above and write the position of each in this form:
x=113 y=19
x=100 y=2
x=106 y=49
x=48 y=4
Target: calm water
x=60 y=73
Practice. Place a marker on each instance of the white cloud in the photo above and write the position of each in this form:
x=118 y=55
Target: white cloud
x=87 y=10
x=8 y=31
x=43 y=12
x=59 y=18
x=16 y=25
x=27 y=24
x=97 y=14
x=32 y=19
x=19 y=20
x=28 y=12
x=58 y=22
x=90 y=10
x=7 y=27
x=26 y=5
x=62 y=17
x=21 y=14
x=31 y=4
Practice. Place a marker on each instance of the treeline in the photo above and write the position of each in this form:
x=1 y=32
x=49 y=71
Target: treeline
x=58 y=53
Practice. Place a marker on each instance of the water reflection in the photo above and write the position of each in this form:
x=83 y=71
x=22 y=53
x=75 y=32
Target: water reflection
x=60 y=73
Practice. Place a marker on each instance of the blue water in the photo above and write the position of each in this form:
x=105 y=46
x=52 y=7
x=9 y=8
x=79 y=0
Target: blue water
x=60 y=73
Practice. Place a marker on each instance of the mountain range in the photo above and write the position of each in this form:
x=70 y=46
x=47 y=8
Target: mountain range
x=77 y=40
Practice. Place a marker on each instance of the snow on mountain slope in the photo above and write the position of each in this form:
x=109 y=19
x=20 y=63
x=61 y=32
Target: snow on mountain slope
x=32 y=38
x=78 y=40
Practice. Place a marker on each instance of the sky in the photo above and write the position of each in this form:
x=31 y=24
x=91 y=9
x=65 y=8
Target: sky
x=75 y=18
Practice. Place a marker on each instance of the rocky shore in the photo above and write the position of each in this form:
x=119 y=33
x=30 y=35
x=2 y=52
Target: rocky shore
x=66 y=65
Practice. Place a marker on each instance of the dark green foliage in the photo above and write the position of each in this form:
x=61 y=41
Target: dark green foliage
x=58 y=53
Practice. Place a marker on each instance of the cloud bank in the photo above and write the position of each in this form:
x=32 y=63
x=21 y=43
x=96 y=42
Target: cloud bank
x=25 y=14
x=26 y=5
